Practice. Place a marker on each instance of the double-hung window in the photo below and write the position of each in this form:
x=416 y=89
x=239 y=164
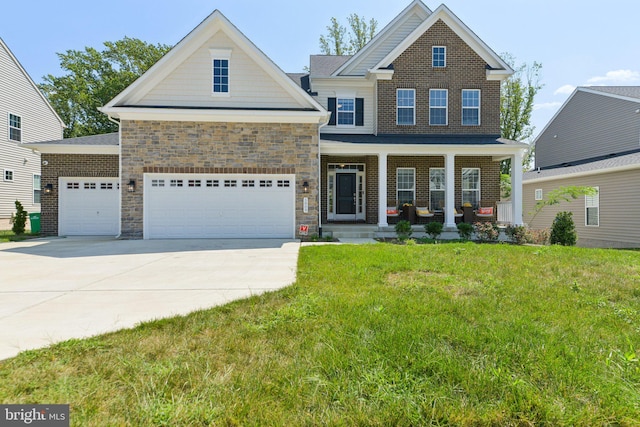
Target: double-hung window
x=220 y=61
x=592 y=208
x=470 y=107
x=471 y=186
x=15 y=128
x=438 y=106
x=439 y=56
x=36 y=188
x=436 y=188
x=406 y=103
x=346 y=109
x=405 y=185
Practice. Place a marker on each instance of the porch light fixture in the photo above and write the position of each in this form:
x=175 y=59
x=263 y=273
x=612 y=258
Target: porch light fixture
x=305 y=187
x=48 y=188
x=131 y=187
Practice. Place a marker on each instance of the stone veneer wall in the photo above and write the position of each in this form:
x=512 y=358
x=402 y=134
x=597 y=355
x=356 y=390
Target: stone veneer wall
x=465 y=70
x=203 y=147
x=69 y=165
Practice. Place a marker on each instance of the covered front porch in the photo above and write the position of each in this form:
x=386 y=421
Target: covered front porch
x=361 y=182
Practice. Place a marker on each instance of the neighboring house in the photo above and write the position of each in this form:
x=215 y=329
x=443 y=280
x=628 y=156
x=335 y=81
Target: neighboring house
x=25 y=116
x=592 y=141
x=216 y=141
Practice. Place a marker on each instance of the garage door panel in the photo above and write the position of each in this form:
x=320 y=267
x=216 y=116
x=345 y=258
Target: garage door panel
x=219 y=206
x=88 y=207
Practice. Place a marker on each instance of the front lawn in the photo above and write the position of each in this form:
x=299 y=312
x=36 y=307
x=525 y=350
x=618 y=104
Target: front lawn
x=375 y=335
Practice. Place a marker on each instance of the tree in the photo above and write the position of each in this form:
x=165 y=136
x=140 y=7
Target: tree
x=361 y=32
x=561 y=194
x=516 y=105
x=95 y=77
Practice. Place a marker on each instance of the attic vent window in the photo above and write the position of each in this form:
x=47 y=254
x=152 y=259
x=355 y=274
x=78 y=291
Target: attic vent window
x=220 y=61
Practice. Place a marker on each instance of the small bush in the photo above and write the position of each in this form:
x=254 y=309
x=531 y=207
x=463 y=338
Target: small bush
x=563 y=230
x=403 y=230
x=433 y=229
x=487 y=231
x=465 y=230
x=540 y=237
x=19 y=220
x=519 y=234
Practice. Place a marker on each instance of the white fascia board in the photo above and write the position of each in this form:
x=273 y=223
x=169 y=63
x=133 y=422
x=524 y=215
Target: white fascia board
x=234 y=116
x=603 y=171
x=382 y=74
x=72 y=148
x=496 y=151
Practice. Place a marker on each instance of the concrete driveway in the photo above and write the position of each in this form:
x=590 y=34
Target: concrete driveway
x=55 y=289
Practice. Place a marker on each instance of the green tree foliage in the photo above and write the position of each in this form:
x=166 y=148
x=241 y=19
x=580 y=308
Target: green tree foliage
x=361 y=31
x=19 y=220
x=95 y=77
x=517 y=97
x=561 y=194
x=563 y=230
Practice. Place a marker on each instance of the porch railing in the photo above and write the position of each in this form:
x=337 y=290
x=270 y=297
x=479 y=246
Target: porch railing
x=505 y=213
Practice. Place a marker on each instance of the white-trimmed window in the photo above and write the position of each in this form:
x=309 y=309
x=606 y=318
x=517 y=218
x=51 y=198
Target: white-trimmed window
x=220 y=60
x=439 y=56
x=537 y=195
x=470 y=107
x=471 y=186
x=438 y=103
x=592 y=209
x=436 y=188
x=405 y=185
x=8 y=175
x=406 y=103
x=346 y=109
x=37 y=188
x=15 y=128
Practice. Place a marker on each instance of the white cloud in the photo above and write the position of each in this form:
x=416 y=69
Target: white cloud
x=565 y=90
x=617 y=77
x=547 y=106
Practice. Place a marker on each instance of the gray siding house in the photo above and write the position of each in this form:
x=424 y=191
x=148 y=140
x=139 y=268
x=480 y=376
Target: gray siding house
x=593 y=140
x=25 y=116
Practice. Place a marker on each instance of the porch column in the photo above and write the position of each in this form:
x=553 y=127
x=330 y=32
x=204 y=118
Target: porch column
x=382 y=190
x=449 y=201
x=516 y=188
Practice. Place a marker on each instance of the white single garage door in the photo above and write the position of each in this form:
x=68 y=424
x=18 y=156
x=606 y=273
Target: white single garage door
x=219 y=206
x=88 y=206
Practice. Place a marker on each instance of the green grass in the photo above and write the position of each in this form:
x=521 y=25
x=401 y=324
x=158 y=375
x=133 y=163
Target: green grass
x=374 y=335
x=10 y=236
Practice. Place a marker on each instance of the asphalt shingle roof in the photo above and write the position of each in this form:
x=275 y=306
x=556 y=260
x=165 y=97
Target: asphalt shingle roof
x=627 y=91
x=594 y=165
x=419 y=139
x=325 y=65
x=102 y=139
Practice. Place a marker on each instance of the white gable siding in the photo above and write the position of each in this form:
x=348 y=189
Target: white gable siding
x=18 y=96
x=190 y=85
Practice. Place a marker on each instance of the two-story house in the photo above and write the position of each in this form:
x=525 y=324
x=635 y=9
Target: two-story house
x=592 y=141
x=26 y=116
x=216 y=141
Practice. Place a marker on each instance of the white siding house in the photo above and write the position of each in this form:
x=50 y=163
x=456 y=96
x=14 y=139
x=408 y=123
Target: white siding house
x=25 y=116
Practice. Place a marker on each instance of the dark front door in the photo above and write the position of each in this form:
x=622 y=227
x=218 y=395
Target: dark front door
x=346 y=197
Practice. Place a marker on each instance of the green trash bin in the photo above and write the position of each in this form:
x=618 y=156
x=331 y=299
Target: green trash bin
x=34 y=219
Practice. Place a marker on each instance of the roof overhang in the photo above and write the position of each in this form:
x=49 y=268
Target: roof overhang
x=530 y=177
x=45 y=148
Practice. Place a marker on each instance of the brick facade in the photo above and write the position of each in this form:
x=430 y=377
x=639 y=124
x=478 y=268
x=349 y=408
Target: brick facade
x=69 y=165
x=202 y=147
x=465 y=69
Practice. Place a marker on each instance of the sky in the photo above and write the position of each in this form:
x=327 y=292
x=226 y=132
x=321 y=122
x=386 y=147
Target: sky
x=578 y=42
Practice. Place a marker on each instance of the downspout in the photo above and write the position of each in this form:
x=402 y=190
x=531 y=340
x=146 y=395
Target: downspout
x=320 y=176
x=111 y=119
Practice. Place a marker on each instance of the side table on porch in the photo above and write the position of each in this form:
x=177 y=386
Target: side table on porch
x=409 y=213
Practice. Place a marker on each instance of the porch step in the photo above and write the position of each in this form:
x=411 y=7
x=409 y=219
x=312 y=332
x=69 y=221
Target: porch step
x=368 y=231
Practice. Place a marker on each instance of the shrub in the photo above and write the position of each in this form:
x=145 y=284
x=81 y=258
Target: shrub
x=403 y=230
x=563 y=230
x=487 y=231
x=519 y=234
x=465 y=230
x=433 y=229
x=19 y=220
x=540 y=237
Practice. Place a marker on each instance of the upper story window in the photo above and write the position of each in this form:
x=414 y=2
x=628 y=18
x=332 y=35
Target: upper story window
x=470 y=107
x=15 y=128
x=438 y=107
x=406 y=106
x=220 y=60
x=439 y=56
x=346 y=111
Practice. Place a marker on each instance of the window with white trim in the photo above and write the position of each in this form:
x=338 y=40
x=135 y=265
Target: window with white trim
x=470 y=107
x=346 y=108
x=438 y=107
x=405 y=185
x=8 y=175
x=436 y=188
x=220 y=61
x=406 y=107
x=471 y=186
x=538 y=194
x=37 y=188
x=15 y=128
x=439 y=56
x=592 y=208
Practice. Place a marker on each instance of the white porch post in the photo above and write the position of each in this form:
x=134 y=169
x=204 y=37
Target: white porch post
x=516 y=188
x=382 y=190
x=450 y=179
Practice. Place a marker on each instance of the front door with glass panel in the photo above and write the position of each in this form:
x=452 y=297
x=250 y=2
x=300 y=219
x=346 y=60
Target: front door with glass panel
x=346 y=196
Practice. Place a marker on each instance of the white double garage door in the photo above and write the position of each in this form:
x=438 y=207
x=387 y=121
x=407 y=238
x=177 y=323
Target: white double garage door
x=185 y=206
